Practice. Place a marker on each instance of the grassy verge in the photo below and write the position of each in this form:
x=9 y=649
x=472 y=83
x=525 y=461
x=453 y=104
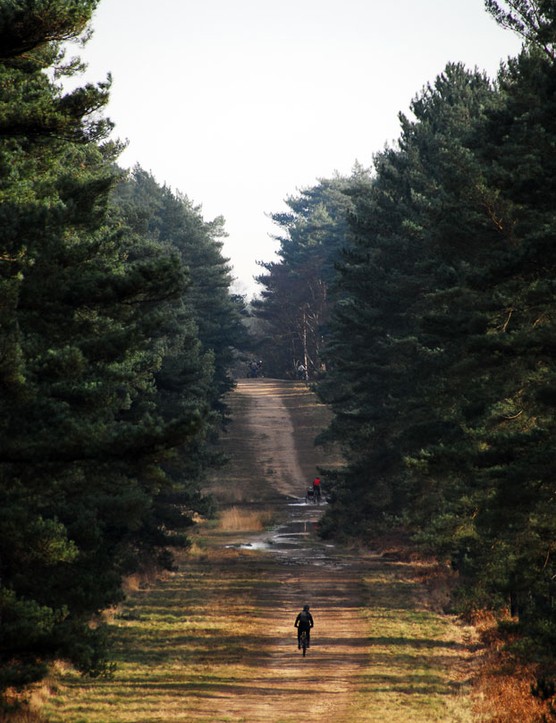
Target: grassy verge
x=419 y=660
x=176 y=645
x=198 y=646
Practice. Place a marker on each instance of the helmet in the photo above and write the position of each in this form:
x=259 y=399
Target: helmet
x=305 y=607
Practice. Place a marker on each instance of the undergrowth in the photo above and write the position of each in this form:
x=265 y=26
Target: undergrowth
x=509 y=689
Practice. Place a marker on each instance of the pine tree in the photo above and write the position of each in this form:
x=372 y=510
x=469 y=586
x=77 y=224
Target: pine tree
x=386 y=369
x=41 y=130
x=92 y=319
x=297 y=290
x=533 y=20
x=174 y=223
x=440 y=376
x=513 y=431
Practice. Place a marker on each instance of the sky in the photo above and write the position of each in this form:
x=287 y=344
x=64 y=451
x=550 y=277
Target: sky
x=240 y=104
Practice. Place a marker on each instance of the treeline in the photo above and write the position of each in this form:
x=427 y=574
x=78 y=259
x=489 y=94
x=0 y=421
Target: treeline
x=117 y=330
x=434 y=336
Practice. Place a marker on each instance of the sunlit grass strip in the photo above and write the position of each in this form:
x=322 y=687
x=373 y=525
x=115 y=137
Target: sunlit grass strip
x=199 y=647
x=192 y=637
x=414 y=671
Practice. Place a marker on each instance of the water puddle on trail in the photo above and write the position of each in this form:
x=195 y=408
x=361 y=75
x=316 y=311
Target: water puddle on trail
x=295 y=540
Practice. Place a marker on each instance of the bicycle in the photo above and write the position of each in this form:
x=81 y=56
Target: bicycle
x=304 y=642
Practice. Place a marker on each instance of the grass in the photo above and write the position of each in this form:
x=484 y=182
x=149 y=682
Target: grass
x=414 y=655
x=215 y=642
x=236 y=519
x=176 y=644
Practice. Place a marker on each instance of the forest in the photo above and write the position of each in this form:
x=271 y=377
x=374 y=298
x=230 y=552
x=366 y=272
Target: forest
x=419 y=294
x=118 y=330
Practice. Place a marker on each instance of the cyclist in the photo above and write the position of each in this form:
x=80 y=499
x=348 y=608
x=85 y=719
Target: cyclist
x=316 y=488
x=304 y=621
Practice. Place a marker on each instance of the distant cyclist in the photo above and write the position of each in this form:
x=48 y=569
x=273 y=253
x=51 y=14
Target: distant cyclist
x=304 y=621
x=316 y=488
x=302 y=372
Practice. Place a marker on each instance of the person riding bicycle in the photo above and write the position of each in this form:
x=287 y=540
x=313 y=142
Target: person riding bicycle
x=304 y=621
x=316 y=488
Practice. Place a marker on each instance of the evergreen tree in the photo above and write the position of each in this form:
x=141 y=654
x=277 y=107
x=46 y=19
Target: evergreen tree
x=492 y=475
x=296 y=298
x=174 y=223
x=533 y=20
x=514 y=428
x=439 y=374
x=54 y=182
x=386 y=375
x=103 y=376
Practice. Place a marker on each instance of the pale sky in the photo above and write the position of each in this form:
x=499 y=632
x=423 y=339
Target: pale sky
x=239 y=104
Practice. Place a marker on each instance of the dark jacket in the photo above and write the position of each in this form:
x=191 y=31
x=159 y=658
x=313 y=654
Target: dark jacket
x=304 y=620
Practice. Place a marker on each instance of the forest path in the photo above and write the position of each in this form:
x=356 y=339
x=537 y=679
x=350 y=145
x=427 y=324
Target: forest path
x=273 y=459
x=215 y=641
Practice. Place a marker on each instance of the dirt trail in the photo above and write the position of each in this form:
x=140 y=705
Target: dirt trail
x=215 y=641
x=275 y=425
x=271 y=434
x=271 y=442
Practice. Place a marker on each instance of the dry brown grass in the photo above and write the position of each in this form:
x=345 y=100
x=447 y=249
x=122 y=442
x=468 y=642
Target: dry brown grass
x=503 y=683
x=27 y=706
x=25 y=715
x=146 y=577
x=236 y=519
x=505 y=697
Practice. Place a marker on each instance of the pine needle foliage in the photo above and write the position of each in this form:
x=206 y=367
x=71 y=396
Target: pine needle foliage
x=111 y=371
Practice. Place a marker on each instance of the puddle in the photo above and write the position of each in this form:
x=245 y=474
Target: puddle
x=294 y=539
x=310 y=505
x=249 y=546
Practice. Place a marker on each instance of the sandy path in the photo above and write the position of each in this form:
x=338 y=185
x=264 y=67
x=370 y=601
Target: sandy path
x=270 y=443
x=271 y=433
x=276 y=684
x=277 y=427
x=288 y=687
x=215 y=641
